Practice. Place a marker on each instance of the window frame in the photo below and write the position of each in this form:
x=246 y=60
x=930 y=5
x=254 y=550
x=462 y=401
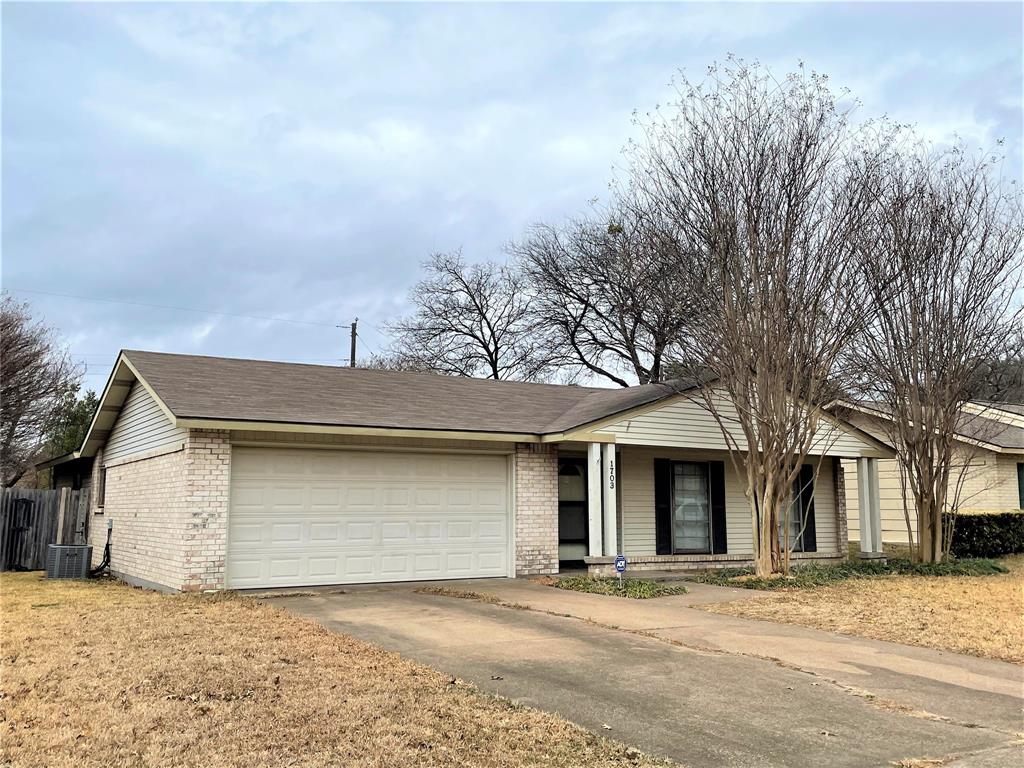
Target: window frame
x=797 y=506
x=580 y=465
x=706 y=466
x=101 y=491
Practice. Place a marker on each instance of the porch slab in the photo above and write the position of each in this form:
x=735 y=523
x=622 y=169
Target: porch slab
x=665 y=564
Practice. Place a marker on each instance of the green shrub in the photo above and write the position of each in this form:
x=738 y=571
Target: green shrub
x=805 y=576
x=988 y=535
x=638 y=589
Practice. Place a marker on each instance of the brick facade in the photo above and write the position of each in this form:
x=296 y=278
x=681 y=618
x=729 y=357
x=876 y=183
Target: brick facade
x=169 y=514
x=207 y=487
x=536 y=494
x=145 y=502
x=839 y=485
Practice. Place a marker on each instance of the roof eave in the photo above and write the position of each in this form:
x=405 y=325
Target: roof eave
x=54 y=461
x=194 y=422
x=122 y=376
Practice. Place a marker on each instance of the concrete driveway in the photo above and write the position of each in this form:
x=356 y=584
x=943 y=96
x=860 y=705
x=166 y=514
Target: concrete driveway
x=695 y=687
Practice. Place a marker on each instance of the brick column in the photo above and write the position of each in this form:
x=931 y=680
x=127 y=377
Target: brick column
x=207 y=482
x=536 y=492
x=842 y=522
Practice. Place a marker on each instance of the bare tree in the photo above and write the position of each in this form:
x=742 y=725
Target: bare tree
x=766 y=185
x=35 y=377
x=605 y=292
x=391 y=361
x=471 y=320
x=941 y=264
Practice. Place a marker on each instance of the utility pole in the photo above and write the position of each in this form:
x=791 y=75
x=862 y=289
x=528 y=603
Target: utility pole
x=352 y=352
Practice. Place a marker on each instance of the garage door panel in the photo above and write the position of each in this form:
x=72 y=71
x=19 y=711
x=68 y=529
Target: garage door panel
x=303 y=517
x=293 y=497
x=324 y=533
x=321 y=497
x=395 y=532
x=325 y=567
x=358 y=533
x=397 y=497
x=288 y=465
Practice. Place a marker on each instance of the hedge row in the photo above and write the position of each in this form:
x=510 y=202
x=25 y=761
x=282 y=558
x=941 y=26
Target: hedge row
x=988 y=535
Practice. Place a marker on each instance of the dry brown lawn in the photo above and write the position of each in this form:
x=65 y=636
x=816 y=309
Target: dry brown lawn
x=101 y=674
x=977 y=615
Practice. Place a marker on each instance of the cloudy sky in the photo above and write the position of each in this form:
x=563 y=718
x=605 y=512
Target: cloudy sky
x=299 y=161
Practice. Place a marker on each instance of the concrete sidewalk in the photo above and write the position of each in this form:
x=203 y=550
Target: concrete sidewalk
x=699 y=688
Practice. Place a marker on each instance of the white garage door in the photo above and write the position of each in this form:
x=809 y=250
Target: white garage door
x=305 y=517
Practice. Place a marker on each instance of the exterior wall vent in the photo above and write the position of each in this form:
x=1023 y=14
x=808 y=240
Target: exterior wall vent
x=68 y=561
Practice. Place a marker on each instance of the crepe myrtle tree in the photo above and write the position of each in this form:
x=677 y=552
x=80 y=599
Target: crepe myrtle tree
x=470 y=320
x=607 y=292
x=765 y=184
x=941 y=263
x=36 y=376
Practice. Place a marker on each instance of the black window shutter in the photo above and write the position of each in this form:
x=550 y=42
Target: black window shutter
x=1020 y=485
x=663 y=506
x=716 y=480
x=810 y=537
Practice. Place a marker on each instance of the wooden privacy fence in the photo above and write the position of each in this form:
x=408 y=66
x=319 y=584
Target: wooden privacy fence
x=30 y=520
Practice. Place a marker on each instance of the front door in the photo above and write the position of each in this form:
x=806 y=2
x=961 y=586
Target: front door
x=572 y=510
x=691 y=508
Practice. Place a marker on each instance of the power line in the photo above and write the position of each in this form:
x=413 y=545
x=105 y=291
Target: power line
x=366 y=344
x=176 y=309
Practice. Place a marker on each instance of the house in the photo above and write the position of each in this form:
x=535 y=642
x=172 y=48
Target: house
x=223 y=473
x=989 y=470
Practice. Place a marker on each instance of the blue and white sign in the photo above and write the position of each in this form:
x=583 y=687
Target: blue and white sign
x=620 y=563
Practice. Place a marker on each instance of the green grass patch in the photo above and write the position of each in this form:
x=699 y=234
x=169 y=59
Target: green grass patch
x=637 y=589
x=806 y=576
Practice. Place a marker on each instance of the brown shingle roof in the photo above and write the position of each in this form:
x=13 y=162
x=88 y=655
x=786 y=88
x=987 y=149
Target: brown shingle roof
x=258 y=390
x=991 y=430
x=985 y=428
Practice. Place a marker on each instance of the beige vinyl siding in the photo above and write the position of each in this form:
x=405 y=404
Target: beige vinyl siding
x=141 y=428
x=687 y=423
x=989 y=485
x=636 y=465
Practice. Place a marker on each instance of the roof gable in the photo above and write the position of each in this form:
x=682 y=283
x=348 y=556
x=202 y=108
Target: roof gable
x=685 y=421
x=229 y=393
x=983 y=425
x=225 y=389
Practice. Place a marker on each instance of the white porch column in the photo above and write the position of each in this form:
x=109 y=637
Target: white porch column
x=870 y=508
x=595 y=546
x=609 y=479
x=876 y=507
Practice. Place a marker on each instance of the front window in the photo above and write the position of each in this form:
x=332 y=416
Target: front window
x=795 y=523
x=691 y=508
x=801 y=507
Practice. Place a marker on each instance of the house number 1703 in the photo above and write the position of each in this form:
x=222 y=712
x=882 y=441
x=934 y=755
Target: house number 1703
x=611 y=474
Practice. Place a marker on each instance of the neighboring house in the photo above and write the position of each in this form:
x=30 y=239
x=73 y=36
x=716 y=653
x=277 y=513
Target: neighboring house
x=221 y=473
x=988 y=476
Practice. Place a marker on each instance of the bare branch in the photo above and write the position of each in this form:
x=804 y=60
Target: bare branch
x=471 y=320
x=36 y=375
x=941 y=264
